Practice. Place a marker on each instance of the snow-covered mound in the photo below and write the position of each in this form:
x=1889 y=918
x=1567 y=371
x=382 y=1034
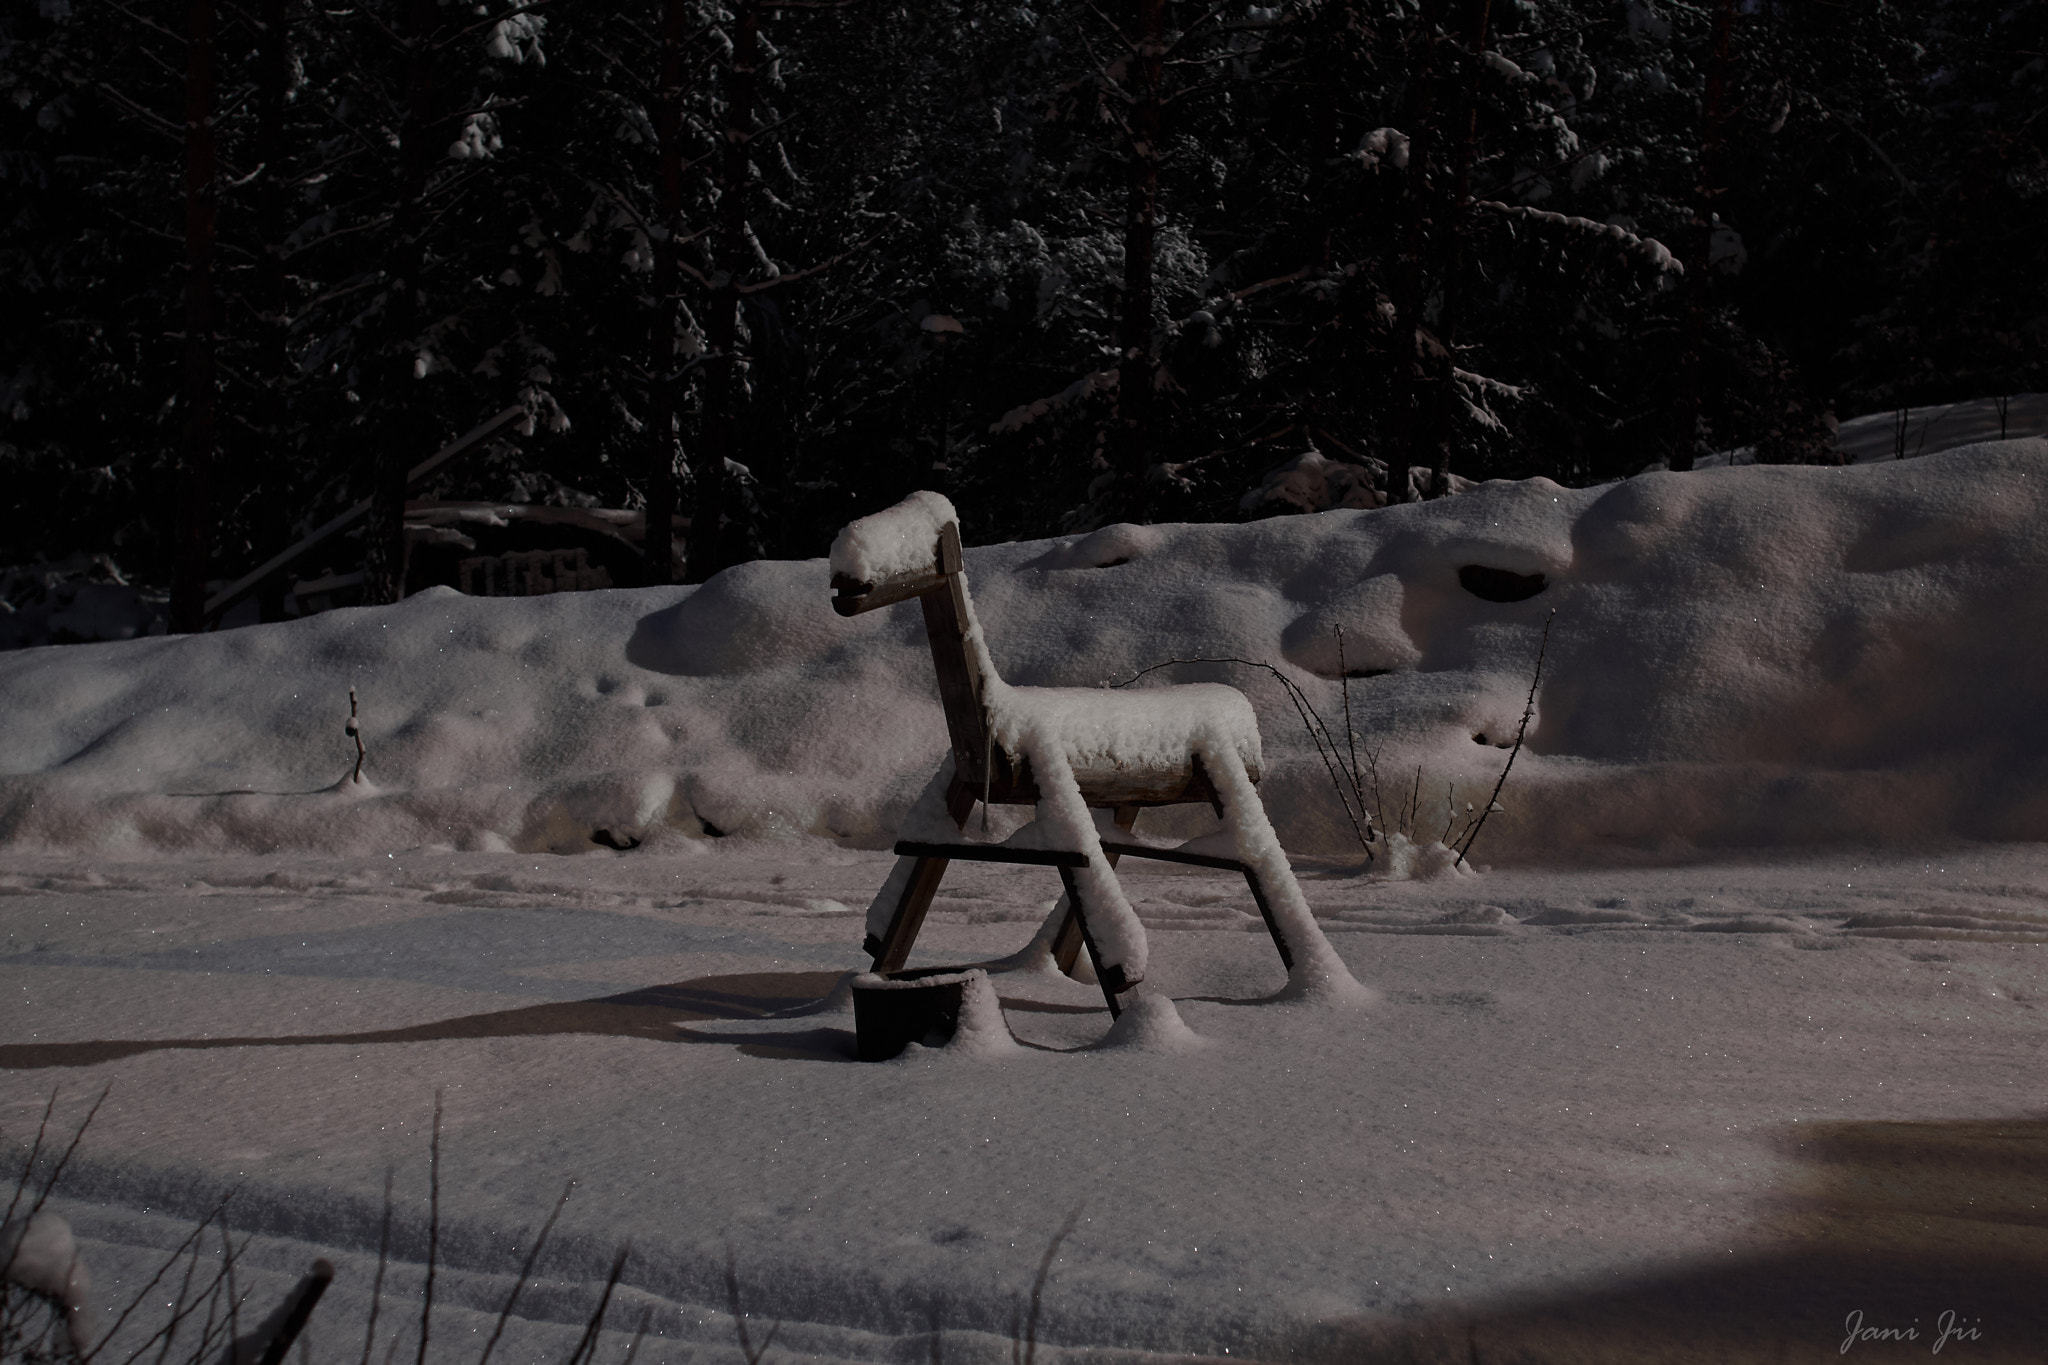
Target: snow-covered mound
x=1739 y=656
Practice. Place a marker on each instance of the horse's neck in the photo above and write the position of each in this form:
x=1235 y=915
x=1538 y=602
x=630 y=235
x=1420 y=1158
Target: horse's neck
x=964 y=672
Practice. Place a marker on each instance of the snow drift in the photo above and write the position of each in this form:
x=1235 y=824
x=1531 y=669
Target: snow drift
x=1740 y=656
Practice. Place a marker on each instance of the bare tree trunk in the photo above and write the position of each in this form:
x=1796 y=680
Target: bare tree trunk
x=1455 y=217
x=1412 y=341
x=1685 y=438
x=269 y=474
x=1137 y=388
x=710 y=540
x=420 y=142
x=658 y=549
x=195 y=474
x=1328 y=40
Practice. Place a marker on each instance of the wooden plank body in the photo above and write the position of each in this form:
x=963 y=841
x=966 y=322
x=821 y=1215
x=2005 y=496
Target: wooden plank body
x=1107 y=785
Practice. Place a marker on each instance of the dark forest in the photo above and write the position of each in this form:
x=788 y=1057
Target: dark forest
x=750 y=269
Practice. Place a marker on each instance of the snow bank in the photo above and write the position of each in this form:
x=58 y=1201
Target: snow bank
x=1741 y=656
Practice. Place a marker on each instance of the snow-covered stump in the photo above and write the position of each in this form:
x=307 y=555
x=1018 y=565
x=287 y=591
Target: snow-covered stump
x=930 y=1006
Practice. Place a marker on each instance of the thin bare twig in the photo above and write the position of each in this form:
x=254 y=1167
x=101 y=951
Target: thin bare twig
x=162 y=1270
x=383 y=1258
x=1240 y=295
x=228 y=1255
x=1052 y=1249
x=1528 y=711
x=639 y=1334
x=1198 y=25
x=588 y=1345
x=792 y=276
x=169 y=1331
x=1372 y=771
x=739 y=1321
x=212 y=1329
x=1113 y=26
x=65 y=1160
x=525 y=1270
x=206 y=1328
x=355 y=732
x=450 y=38
x=35 y=1150
x=433 y=1226
x=144 y=21
x=1351 y=736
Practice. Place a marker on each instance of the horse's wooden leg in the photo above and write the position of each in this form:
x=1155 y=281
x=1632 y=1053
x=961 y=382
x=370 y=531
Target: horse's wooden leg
x=1251 y=877
x=960 y=799
x=892 y=950
x=1110 y=978
x=1066 y=944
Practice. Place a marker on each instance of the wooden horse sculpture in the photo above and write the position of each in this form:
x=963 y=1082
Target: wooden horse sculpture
x=913 y=550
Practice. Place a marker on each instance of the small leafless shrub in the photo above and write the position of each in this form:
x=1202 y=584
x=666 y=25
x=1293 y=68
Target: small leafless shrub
x=1354 y=770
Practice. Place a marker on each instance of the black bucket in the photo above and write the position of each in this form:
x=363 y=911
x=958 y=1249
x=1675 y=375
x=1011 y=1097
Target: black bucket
x=895 y=1009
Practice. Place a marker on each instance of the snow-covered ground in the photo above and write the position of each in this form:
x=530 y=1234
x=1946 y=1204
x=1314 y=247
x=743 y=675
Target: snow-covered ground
x=1724 y=1104
x=1740 y=1034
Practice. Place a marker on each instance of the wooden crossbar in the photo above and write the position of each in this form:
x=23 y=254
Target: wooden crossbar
x=1064 y=859
x=992 y=853
x=1175 y=855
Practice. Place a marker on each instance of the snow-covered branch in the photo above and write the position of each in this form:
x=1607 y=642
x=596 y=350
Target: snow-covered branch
x=1016 y=419
x=1654 y=251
